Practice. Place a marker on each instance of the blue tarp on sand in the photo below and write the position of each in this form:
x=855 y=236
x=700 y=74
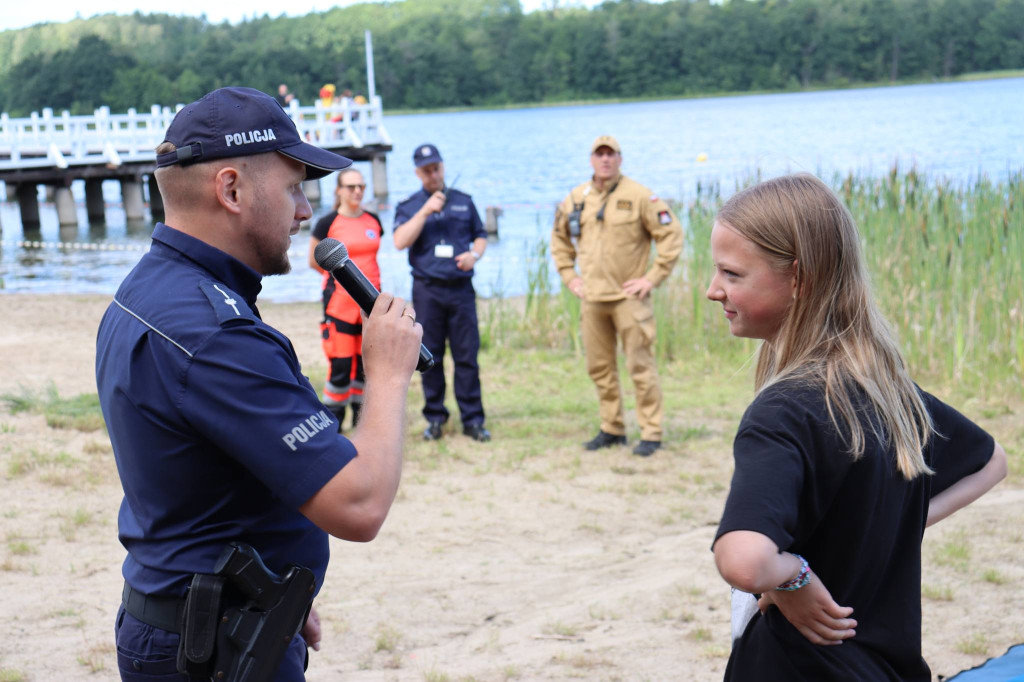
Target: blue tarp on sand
x=1006 y=668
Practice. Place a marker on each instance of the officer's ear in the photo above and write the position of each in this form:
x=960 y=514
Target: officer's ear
x=227 y=183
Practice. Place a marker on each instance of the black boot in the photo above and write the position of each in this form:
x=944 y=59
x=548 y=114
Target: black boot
x=356 y=409
x=603 y=439
x=646 y=448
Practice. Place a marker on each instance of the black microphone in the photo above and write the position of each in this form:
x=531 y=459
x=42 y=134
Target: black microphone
x=332 y=256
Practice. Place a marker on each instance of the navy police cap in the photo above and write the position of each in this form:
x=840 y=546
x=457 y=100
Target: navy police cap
x=424 y=154
x=232 y=122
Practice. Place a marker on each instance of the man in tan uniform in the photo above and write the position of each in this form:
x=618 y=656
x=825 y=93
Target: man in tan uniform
x=606 y=225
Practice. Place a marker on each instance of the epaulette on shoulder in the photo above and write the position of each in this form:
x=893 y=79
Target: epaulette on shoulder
x=229 y=307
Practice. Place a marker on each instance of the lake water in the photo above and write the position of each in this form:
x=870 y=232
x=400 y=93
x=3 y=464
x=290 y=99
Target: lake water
x=526 y=160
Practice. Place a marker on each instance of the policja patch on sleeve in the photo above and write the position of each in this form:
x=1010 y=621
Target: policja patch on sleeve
x=664 y=217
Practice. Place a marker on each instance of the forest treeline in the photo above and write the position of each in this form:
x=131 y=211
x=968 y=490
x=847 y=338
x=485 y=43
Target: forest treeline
x=450 y=53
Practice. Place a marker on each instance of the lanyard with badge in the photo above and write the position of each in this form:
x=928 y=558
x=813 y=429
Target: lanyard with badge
x=444 y=249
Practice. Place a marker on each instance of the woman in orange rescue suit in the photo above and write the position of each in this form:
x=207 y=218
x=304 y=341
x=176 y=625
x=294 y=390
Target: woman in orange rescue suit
x=341 y=328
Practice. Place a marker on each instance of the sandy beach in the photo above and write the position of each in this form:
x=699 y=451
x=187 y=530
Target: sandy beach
x=495 y=563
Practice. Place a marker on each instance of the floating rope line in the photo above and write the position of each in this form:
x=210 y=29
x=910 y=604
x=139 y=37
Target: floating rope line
x=93 y=246
x=80 y=246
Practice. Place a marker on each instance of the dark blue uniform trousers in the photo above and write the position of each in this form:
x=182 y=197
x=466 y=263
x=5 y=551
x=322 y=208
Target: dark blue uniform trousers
x=447 y=311
x=149 y=654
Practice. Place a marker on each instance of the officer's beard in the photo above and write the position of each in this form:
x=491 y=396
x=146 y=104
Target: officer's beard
x=267 y=241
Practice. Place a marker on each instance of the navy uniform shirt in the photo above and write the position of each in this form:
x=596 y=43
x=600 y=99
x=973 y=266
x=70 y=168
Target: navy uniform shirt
x=458 y=224
x=217 y=434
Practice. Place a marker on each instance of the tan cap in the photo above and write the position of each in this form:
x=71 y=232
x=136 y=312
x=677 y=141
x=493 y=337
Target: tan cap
x=606 y=141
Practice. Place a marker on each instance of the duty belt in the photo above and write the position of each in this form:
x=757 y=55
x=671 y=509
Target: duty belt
x=448 y=283
x=160 y=612
x=236 y=637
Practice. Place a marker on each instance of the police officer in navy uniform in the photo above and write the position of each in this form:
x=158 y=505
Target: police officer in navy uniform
x=445 y=236
x=217 y=434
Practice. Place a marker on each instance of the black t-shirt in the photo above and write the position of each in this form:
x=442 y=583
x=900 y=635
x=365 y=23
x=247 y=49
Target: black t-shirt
x=858 y=523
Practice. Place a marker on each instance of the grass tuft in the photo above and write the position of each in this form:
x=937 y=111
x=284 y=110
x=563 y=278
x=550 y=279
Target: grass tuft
x=974 y=645
x=81 y=412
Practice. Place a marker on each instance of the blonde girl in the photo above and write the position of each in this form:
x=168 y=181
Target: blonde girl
x=841 y=461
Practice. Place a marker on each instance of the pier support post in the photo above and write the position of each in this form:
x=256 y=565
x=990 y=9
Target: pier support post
x=156 y=202
x=491 y=221
x=311 y=188
x=131 y=194
x=379 y=168
x=28 y=203
x=95 y=207
x=67 y=213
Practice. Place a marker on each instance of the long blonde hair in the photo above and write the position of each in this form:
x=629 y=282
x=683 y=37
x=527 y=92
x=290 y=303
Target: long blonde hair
x=833 y=335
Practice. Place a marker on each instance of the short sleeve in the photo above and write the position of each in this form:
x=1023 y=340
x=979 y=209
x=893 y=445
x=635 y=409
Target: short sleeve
x=402 y=214
x=769 y=454
x=958 y=448
x=323 y=226
x=245 y=394
x=476 y=225
x=376 y=219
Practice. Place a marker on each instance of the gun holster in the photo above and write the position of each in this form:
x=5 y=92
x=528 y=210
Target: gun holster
x=199 y=625
x=238 y=623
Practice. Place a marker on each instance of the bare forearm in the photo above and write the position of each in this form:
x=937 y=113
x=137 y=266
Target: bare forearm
x=751 y=562
x=968 y=488
x=408 y=232
x=379 y=438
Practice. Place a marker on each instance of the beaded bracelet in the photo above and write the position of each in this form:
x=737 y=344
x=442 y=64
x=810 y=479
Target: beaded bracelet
x=801 y=579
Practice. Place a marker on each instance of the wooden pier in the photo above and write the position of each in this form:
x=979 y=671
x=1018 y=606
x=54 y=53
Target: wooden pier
x=51 y=150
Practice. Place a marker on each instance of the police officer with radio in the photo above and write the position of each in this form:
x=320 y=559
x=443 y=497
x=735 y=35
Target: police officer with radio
x=231 y=466
x=445 y=236
x=606 y=225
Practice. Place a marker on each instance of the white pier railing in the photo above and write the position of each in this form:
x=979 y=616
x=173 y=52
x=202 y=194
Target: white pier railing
x=59 y=141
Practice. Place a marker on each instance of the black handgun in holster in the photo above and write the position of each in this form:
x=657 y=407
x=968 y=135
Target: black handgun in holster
x=238 y=623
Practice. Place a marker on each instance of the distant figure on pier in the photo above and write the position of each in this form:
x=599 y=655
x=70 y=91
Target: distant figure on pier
x=445 y=236
x=327 y=94
x=284 y=98
x=342 y=327
x=607 y=224
x=218 y=436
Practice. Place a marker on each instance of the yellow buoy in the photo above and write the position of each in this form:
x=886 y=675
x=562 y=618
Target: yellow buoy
x=702 y=157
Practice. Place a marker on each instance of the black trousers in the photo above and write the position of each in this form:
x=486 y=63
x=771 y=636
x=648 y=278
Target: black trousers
x=447 y=311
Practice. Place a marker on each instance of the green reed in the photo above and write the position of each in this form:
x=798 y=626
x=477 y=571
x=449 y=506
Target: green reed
x=947 y=267
x=947 y=262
